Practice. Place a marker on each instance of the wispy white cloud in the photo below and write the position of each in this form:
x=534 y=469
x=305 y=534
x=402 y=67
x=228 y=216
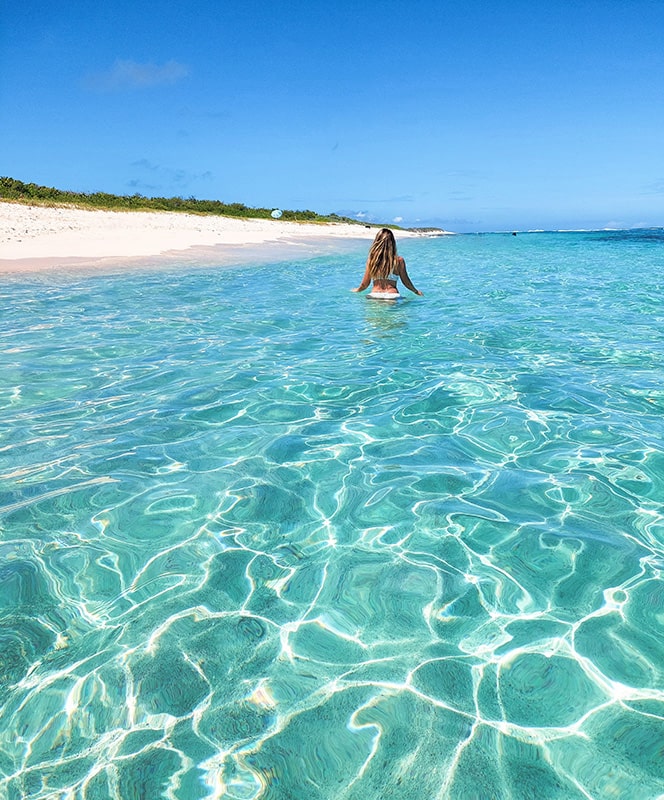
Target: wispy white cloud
x=466 y=173
x=404 y=198
x=160 y=177
x=460 y=195
x=654 y=188
x=132 y=75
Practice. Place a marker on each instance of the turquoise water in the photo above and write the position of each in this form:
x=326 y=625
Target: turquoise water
x=264 y=538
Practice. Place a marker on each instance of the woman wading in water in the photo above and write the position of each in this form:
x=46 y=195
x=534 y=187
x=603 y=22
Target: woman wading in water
x=385 y=267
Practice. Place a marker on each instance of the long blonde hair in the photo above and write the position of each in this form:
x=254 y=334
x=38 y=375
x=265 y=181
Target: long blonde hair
x=382 y=260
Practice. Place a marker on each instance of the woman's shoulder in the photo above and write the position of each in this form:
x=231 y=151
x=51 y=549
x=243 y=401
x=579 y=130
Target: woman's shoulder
x=401 y=261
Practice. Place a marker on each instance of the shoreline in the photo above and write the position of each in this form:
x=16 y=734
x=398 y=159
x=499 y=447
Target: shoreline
x=36 y=238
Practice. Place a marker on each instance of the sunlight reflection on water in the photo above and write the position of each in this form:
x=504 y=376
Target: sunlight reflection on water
x=264 y=544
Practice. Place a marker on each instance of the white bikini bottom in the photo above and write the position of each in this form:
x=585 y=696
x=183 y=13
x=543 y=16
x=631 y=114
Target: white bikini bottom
x=384 y=295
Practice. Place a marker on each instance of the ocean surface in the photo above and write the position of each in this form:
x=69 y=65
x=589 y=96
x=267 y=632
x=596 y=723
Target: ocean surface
x=264 y=538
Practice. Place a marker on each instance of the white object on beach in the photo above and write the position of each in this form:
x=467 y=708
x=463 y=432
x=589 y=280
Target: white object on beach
x=276 y=213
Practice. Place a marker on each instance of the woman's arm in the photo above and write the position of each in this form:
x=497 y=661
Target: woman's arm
x=405 y=278
x=366 y=280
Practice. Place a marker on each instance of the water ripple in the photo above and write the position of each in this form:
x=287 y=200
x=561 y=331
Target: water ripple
x=332 y=549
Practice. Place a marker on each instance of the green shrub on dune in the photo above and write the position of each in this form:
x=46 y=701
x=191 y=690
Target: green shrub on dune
x=12 y=189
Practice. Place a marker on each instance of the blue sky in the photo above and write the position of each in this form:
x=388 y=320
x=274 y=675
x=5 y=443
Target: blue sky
x=467 y=115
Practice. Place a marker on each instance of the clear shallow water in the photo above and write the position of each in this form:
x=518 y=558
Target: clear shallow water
x=266 y=543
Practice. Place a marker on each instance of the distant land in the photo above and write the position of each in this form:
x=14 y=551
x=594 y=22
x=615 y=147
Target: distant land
x=18 y=191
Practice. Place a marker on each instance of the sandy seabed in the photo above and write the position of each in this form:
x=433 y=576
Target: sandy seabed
x=34 y=238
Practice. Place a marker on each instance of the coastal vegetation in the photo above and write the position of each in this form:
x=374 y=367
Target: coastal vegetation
x=15 y=190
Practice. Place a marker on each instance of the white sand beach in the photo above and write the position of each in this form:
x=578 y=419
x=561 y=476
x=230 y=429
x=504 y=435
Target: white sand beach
x=36 y=237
